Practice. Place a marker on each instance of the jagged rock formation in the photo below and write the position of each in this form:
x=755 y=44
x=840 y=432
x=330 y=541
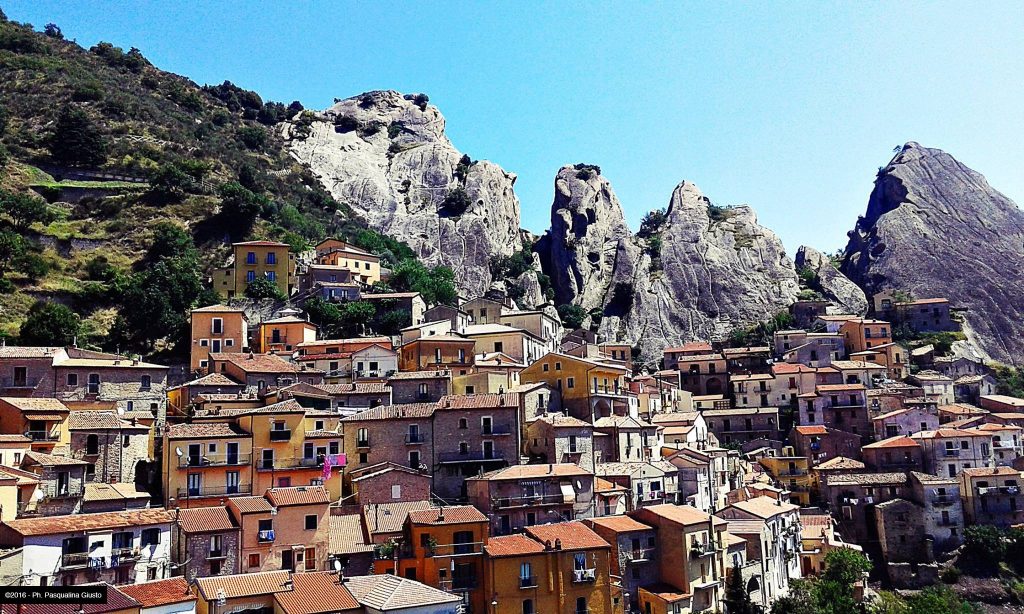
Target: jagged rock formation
x=935 y=228
x=846 y=296
x=716 y=268
x=387 y=157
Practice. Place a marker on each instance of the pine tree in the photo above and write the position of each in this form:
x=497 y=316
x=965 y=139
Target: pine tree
x=76 y=141
x=737 y=599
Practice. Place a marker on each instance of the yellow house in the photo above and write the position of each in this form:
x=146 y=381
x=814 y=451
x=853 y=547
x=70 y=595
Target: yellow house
x=364 y=266
x=589 y=389
x=217 y=328
x=253 y=259
x=205 y=462
x=283 y=335
x=793 y=473
x=42 y=420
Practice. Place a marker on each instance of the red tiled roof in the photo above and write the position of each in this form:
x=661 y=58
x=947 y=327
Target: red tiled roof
x=161 y=592
x=243 y=585
x=116 y=600
x=203 y=430
x=812 y=429
x=478 y=401
x=899 y=441
x=692 y=346
x=619 y=524
x=573 y=535
x=205 y=519
x=316 y=593
x=298 y=495
x=77 y=523
x=513 y=545
x=251 y=505
x=456 y=514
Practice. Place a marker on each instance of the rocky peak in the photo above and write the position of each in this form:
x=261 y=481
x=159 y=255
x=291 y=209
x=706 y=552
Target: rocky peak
x=386 y=155
x=824 y=278
x=936 y=228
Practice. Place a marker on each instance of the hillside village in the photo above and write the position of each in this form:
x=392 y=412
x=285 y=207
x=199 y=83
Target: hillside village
x=487 y=457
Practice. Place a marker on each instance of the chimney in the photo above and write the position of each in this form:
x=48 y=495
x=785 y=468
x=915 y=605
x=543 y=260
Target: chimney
x=440 y=514
x=547 y=544
x=558 y=543
x=251 y=355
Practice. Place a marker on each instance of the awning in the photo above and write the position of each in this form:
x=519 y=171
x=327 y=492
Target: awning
x=568 y=494
x=44 y=417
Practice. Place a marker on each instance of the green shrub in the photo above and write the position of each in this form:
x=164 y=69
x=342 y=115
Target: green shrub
x=586 y=171
x=50 y=324
x=572 y=316
x=261 y=288
x=394 y=130
x=76 y=140
x=652 y=222
x=253 y=137
x=950 y=575
x=455 y=203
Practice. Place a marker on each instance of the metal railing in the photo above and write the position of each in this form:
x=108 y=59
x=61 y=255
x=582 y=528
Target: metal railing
x=639 y=555
x=459 y=584
x=455 y=457
x=42 y=435
x=528 y=582
x=530 y=500
x=214 y=491
x=17 y=382
x=414 y=438
x=214 y=460
x=280 y=435
x=584 y=576
x=496 y=429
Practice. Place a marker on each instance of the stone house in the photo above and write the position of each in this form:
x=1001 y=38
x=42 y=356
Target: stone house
x=634 y=554
x=838 y=406
x=899 y=524
x=943 y=510
x=948 y=451
x=557 y=438
x=739 y=425
x=388 y=483
x=206 y=542
x=262 y=371
x=537 y=399
x=525 y=495
x=520 y=345
x=748 y=359
x=1007 y=442
x=399 y=434
x=116 y=450
x=648 y=483
x=626 y=439
x=959 y=366
x=697 y=485
x=420 y=386
x=820 y=443
x=96 y=376
x=925 y=315
x=970 y=388
x=992 y=496
x=936 y=386
x=703 y=374
x=672 y=355
x=853 y=496
x=364 y=266
x=28 y=371
x=905 y=421
x=61 y=483
x=897 y=453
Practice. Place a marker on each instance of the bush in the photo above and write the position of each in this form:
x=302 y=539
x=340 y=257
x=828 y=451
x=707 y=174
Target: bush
x=462 y=168
x=253 y=137
x=261 y=288
x=950 y=575
x=652 y=222
x=436 y=285
x=52 y=30
x=421 y=101
x=586 y=171
x=572 y=316
x=984 y=548
x=455 y=203
x=394 y=130
x=25 y=210
x=346 y=123
x=511 y=267
x=718 y=214
x=50 y=324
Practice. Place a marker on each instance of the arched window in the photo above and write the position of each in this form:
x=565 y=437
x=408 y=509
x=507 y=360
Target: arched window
x=581 y=605
x=92 y=444
x=528 y=606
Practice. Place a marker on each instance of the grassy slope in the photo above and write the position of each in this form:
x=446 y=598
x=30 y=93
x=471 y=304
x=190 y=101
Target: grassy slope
x=39 y=75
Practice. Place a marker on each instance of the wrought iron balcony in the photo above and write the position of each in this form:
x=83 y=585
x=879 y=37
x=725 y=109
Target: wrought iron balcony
x=214 y=460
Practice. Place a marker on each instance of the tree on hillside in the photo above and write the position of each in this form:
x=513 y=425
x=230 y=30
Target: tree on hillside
x=50 y=324
x=436 y=285
x=832 y=593
x=261 y=288
x=24 y=209
x=572 y=316
x=76 y=140
x=53 y=31
x=737 y=598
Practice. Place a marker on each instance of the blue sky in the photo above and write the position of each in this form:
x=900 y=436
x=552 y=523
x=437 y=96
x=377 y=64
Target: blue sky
x=789 y=107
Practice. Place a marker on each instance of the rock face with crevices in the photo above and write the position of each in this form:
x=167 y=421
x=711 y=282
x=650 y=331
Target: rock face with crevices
x=387 y=157
x=718 y=269
x=846 y=296
x=935 y=228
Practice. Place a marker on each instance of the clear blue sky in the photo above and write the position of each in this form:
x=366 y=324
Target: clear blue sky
x=790 y=108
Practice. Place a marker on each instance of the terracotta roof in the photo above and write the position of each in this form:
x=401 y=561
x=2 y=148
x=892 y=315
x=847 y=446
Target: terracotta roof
x=478 y=401
x=683 y=514
x=116 y=601
x=205 y=519
x=691 y=346
x=839 y=387
x=574 y=535
x=76 y=523
x=785 y=368
x=291 y=406
x=563 y=421
x=316 y=593
x=962 y=408
x=243 y=585
x=203 y=430
x=13 y=438
x=298 y=495
x=217 y=309
x=899 y=441
x=945 y=433
x=392 y=412
x=387 y=592
x=513 y=545
x=602 y=485
x=346 y=534
x=841 y=462
x=436 y=374
x=389 y=517
x=160 y=592
x=764 y=507
x=251 y=505
x=456 y=514
x=619 y=524
x=666 y=592
x=212 y=379
x=813 y=429
x=866 y=478
x=99 y=420
x=27 y=351
x=518 y=472
x=51 y=460
x=256 y=363
x=36 y=404
x=354 y=388
x=116 y=491
x=991 y=471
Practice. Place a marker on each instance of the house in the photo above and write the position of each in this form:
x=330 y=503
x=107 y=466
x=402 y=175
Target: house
x=743 y=424
x=626 y=439
x=970 y=388
x=116 y=450
x=1001 y=403
x=692 y=559
x=124 y=547
x=943 y=511
x=703 y=374
x=261 y=371
x=896 y=453
x=363 y=265
x=686 y=428
x=330 y=282
x=346 y=399
x=399 y=434
x=525 y=495
x=441 y=547
x=589 y=389
x=793 y=473
x=546 y=327
x=250 y=591
x=992 y=496
x=936 y=386
x=99 y=377
x=817 y=539
x=410 y=303
x=203 y=462
x=551 y=568
x=557 y=438
x=805 y=312
x=206 y=541
x=180 y=397
x=457 y=319
x=170 y=596
x=42 y=420
x=28 y=371
x=647 y=482
x=387 y=483
x=838 y=406
x=771 y=529
x=671 y=355
x=217 y=328
x=925 y=315
x=321 y=592
x=1007 y=442
x=388 y=594
x=949 y=450
x=820 y=443
x=862 y=334
x=697 y=484
x=633 y=554
x=520 y=345
x=487 y=309
x=285 y=529
x=283 y=334
x=904 y=422
x=893 y=356
x=420 y=386
x=752 y=389
x=449 y=352
x=61 y=483
x=251 y=259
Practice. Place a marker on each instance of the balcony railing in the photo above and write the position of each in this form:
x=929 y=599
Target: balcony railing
x=413 y=438
x=373 y=373
x=51 y=490
x=363 y=443
x=469 y=457
x=584 y=576
x=952 y=452
x=700 y=549
x=74 y=559
x=302 y=462
x=530 y=501
x=943 y=500
x=214 y=460
x=529 y=582
x=42 y=435
x=496 y=430
x=452 y=550
x=1004 y=444
x=999 y=490
x=611 y=391
x=20 y=382
x=639 y=555
x=265 y=537
x=458 y=584
x=280 y=435
x=214 y=491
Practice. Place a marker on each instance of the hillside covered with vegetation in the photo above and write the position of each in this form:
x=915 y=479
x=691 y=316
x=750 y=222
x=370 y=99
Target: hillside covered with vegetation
x=122 y=186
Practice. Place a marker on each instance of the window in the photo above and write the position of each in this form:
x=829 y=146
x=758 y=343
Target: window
x=215 y=545
x=254 y=561
x=363 y=458
x=414 y=459
x=94 y=383
x=570 y=382
x=72 y=379
x=250 y=258
x=146 y=382
x=151 y=574
x=271 y=275
x=310 y=559
x=499 y=346
x=311 y=522
x=250 y=276
x=470 y=389
x=92 y=444
x=528 y=606
x=272 y=258
x=150 y=537
x=463 y=423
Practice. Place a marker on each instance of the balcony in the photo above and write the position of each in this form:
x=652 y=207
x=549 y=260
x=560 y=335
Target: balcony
x=459 y=584
x=373 y=373
x=952 y=452
x=362 y=443
x=214 y=491
x=68 y=491
x=265 y=537
x=584 y=576
x=302 y=462
x=530 y=501
x=471 y=457
x=611 y=391
x=280 y=435
x=700 y=549
x=454 y=550
x=705 y=584
x=943 y=500
x=1004 y=445
x=1011 y=491
x=496 y=430
x=20 y=383
x=123 y=556
x=214 y=460
x=42 y=436
x=73 y=560
x=412 y=438
x=530 y=582
x=639 y=555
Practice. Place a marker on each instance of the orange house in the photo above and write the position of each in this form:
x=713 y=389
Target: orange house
x=283 y=335
x=287 y=529
x=862 y=334
x=217 y=328
x=436 y=352
x=441 y=547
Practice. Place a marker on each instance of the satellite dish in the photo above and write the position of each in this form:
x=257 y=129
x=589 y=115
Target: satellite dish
x=178 y=452
x=337 y=565
x=40 y=495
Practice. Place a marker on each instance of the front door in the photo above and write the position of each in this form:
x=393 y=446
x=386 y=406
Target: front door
x=287 y=560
